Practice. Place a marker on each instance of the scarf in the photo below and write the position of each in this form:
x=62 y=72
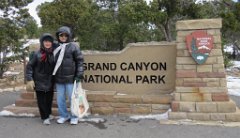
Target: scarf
x=44 y=54
x=62 y=47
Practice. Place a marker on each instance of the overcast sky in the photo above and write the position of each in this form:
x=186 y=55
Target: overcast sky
x=32 y=9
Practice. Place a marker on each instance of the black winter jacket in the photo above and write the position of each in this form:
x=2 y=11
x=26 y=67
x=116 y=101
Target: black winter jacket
x=72 y=63
x=40 y=71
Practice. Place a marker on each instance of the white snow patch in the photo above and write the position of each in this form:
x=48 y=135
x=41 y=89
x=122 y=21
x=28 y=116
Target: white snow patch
x=163 y=116
x=8 y=113
x=95 y=120
x=233 y=82
x=31 y=42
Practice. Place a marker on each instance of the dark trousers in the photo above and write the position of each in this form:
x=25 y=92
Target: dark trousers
x=44 y=100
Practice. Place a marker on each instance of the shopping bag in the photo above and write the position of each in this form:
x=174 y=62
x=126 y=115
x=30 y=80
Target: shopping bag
x=79 y=103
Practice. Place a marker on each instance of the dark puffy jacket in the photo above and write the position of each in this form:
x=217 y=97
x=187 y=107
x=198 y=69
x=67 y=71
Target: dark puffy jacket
x=40 y=71
x=72 y=63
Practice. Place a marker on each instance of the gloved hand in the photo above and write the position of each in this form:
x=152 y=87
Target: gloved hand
x=30 y=86
x=78 y=79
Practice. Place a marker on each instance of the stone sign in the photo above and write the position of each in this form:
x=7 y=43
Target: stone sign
x=139 y=68
x=199 y=44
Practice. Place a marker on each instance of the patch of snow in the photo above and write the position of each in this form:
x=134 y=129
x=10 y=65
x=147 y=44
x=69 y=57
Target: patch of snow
x=8 y=113
x=8 y=73
x=95 y=120
x=163 y=116
x=31 y=42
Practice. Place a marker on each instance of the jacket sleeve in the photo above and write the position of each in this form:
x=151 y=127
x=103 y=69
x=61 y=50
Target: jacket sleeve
x=30 y=67
x=78 y=57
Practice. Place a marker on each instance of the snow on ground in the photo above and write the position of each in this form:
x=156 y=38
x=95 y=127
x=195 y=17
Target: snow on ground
x=163 y=116
x=233 y=83
x=31 y=42
x=8 y=113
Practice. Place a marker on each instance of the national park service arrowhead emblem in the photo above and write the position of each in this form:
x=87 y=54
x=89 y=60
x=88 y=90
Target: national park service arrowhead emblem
x=199 y=44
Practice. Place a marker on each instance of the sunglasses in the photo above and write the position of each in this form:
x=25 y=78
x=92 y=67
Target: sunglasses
x=63 y=35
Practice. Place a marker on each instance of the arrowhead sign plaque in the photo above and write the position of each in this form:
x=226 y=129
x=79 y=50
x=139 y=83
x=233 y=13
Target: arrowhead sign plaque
x=199 y=45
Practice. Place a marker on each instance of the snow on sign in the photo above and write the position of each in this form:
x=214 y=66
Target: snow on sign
x=199 y=44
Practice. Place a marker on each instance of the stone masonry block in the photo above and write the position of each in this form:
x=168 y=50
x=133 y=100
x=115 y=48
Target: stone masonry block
x=220 y=60
x=218 y=45
x=216 y=52
x=187 y=89
x=226 y=107
x=157 y=99
x=179 y=81
x=180 y=67
x=217 y=39
x=185 y=60
x=223 y=82
x=189 y=67
x=141 y=110
x=192 y=97
x=213 y=84
x=234 y=117
x=199 y=24
x=218 y=116
x=121 y=105
x=211 y=74
x=194 y=84
x=176 y=96
x=199 y=116
x=207 y=97
x=214 y=32
x=204 y=68
x=193 y=80
x=218 y=66
x=220 y=97
x=101 y=104
x=181 y=46
x=212 y=89
x=187 y=107
x=210 y=80
x=206 y=107
x=180 y=39
x=211 y=60
x=128 y=98
x=186 y=73
x=175 y=106
x=177 y=115
x=183 y=33
x=183 y=53
x=102 y=110
x=160 y=106
x=122 y=110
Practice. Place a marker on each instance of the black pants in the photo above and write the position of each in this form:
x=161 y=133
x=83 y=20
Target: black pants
x=44 y=100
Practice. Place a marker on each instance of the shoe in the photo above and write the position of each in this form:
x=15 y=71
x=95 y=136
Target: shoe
x=46 y=121
x=74 y=121
x=51 y=117
x=62 y=120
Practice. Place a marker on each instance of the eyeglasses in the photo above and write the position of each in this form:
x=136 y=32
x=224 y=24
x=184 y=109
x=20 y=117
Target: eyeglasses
x=63 y=35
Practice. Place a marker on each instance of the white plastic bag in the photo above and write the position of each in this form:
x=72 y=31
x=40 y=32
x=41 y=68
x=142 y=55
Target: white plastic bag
x=79 y=103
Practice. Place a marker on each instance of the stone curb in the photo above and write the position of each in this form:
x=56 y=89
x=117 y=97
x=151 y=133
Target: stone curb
x=203 y=123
